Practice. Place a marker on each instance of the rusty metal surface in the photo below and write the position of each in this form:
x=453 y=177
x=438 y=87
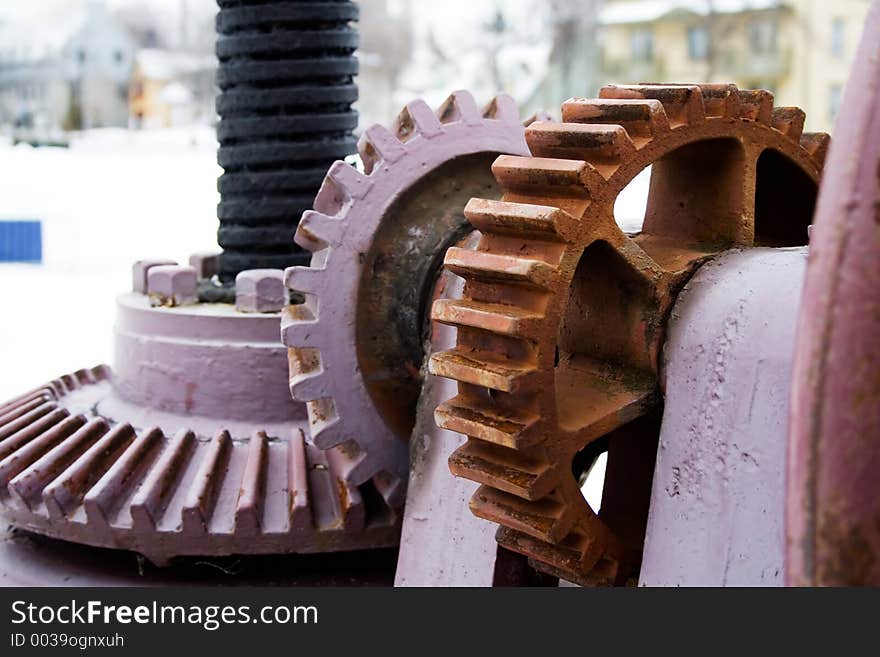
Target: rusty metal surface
x=377 y=239
x=562 y=317
x=833 y=504
x=72 y=474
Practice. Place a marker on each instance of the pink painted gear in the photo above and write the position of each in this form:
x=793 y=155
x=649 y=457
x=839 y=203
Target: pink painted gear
x=325 y=333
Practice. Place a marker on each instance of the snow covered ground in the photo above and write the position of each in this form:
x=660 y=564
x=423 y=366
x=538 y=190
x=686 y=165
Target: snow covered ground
x=112 y=198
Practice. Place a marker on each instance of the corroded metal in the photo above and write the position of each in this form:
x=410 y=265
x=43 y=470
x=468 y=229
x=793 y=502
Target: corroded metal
x=833 y=505
x=562 y=318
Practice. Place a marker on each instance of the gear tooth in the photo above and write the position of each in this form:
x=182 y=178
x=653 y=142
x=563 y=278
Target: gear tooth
x=817 y=145
x=82 y=466
x=756 y=105
x=502 y=468
x=324 y=423
x=417 y=118
x=683 y=103
x=348 y=498
x=30 y=483
x=306 y=280
x=29 y=426
x=460 y=106
x=497 y=268
x=354 y=184
x=201 y=498
x=391 y=488
x=378 y=145
x=331 y=198
x=721 y=100
x=27 y=453
x=350 y=462
x=544 y=176
x=251 y=501
x=151 y=500
x=789 y=121
x=603 y=146
x=307 y=380
x=13 y=413
x=545 y=519
x=502 y=319
x=502 y=108
x=300 y=326
x=299 y=501
x=316 y=231
x=104 y=498
x=540 y=222
x=575 y=554
x=484 y=369
x=486 y=421
x=642 y=119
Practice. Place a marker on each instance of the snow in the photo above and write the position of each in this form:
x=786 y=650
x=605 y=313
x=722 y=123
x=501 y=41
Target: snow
x=112 y=198
x=642 y=11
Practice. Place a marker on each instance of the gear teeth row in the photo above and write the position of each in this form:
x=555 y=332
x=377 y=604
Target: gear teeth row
x=347 y=212
x=82 y=479
x=526 y=400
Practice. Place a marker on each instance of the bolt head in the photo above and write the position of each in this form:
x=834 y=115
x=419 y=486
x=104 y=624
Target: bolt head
x=172 y=285
x=205 y=264
x=140 y=270
x=260 y=291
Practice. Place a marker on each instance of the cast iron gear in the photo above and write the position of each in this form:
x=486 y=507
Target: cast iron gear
x=68 y=473
x=377 y=239
x=562 y=318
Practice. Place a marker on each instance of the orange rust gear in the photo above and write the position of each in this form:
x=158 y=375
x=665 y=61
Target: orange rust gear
x=562 y=316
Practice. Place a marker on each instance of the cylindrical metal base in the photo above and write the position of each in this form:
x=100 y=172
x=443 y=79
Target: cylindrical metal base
x=718 y=494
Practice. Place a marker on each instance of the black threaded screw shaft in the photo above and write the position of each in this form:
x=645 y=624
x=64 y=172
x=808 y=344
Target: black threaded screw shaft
x=286 y=79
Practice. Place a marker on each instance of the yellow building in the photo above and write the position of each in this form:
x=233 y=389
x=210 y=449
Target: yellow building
x=170 y=89
x=801 y=50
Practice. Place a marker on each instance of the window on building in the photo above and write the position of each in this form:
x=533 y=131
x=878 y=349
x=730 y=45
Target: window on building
x=698 y=42
x=838 y=37
x=81 y=56
x=762 y=35
x=834 y=95
x=118 y=56
x=641 y=44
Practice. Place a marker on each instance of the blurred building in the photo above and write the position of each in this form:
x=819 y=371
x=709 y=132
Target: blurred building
x=69 y=69
x=170 y=88
x=801 y=50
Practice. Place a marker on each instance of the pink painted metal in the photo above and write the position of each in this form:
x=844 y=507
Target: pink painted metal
x=172 y=285
x=260 y=291
x=718 y=494
x=437 y=520
x=349 y=210
x=203 y=363
x=833 y=502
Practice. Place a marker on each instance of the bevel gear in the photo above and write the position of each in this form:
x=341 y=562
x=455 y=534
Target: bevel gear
x=562 y=318
x=377 y=240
